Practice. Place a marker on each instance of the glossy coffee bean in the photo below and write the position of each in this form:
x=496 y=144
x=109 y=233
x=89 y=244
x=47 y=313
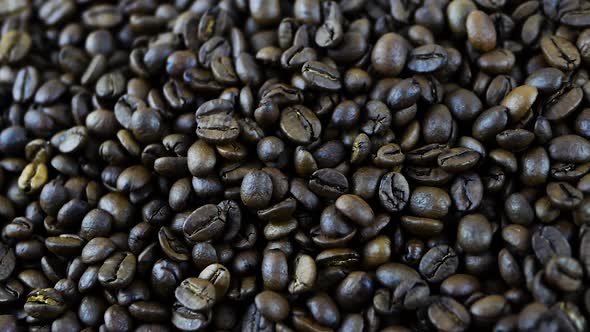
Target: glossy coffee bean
x=294 y=166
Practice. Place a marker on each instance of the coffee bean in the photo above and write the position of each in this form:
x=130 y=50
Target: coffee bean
x=321 y=76
x=219 y=276
x=356 y=209
x=291 y=153
x=300 y=125
x=390 y=54
x=327 y=182
x=560 y=53
x=460 y=285
x=9 y=260
x=172 y=246
x=394 y=192
x=564 y=273
x=481 y=31
x=118 y=270
x=184 y=318
x=354 y=290
x=447 y=314
x=45 y=304
x=204 y=223
x=489 y=308
x=215 y=122
x=195 y=294
x=547 y=242
x=256 y=190
x=427 y=58
x=272 y=305
x=14 y=46
x=439 y=263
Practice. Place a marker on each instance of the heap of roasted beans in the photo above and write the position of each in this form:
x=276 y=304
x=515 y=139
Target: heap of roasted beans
x=306 y=165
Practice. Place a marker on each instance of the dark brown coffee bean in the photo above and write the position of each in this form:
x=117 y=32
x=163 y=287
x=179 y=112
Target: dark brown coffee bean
x=216 y=122
x=481 y=31
x=355 y=208
x=394 y=192
x=547 y=242
x=327 y=182
x=560 y=53
x=256 y=190
x=45 y=304
x=300 y=124
x=195 y=294
x=439 y=263
x=205 y=223
x=390 y=54
x=447 y=314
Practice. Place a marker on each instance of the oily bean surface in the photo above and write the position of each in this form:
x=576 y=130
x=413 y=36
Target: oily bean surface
x=305 y=165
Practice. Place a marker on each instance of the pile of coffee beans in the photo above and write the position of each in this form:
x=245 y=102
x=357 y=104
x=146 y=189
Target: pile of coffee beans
x=295 y=165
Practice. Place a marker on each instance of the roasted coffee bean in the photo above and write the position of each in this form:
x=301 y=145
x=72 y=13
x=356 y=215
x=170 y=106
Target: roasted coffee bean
x=430 y=202
x=481 y=31
x=548 y=242
x=311 y=165
x=355 y=208
x=447 y=314
x=394 y=192
x=390 y=54
x=172 y=246
x=118 y=270
x=354 y=290
x=195 y=294
x=474 y=233
x=560 y=53
x=216 y=122
x=329 y=183
x=427 y=58
x=256 y=190
x=300 y=125
x=563 y=195
x=204 y=223
x=439 y=263
x=8 y=262
x=44 y=304
x=321 y=76
x=304 y=275
x=272 y=305
x=564 y=273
